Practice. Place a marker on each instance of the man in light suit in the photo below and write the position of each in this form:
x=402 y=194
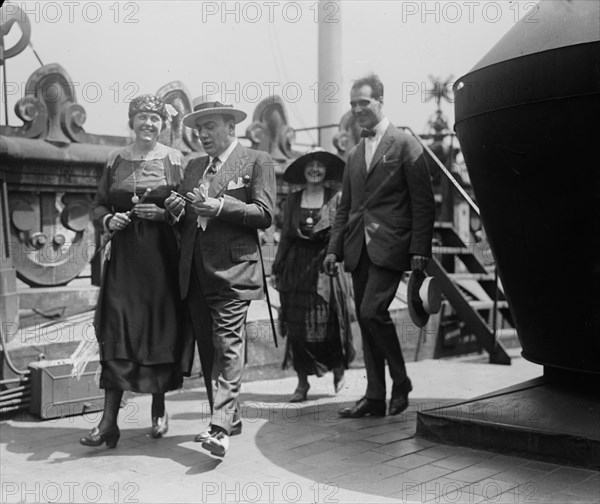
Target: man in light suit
x=230 y=195
x=383 y=227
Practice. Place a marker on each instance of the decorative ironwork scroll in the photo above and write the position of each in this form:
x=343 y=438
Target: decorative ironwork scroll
x=269 y=130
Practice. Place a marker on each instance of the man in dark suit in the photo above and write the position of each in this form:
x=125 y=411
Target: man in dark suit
x=383 y=227
x=230 y=195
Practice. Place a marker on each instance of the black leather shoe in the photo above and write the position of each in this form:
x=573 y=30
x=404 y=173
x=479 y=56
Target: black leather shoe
x=97 y=438
x=160 y=426
x=398 y=405
x=236 y=429
x=399 y=400
x=364 y=407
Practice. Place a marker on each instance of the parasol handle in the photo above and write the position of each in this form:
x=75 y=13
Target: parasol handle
x=112 y=233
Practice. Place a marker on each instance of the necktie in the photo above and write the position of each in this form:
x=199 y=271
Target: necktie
x=211 y=171
x=367 y=133
x=209 y=175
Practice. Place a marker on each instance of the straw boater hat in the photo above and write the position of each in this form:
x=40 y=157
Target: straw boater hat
x=294 y=173
x=207 y=105
x=424 y=297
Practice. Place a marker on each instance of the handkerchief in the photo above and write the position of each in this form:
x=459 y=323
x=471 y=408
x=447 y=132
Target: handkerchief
x=235 y=185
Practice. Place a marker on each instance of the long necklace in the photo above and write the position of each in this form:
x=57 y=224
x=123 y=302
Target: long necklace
x=135 y=199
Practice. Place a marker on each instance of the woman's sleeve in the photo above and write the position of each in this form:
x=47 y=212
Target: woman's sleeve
x=101 y=209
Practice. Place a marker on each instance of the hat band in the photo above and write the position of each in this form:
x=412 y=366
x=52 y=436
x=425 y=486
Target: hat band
x=210 y=105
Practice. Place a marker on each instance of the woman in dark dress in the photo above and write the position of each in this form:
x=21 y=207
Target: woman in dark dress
x=315 y=309
x=139 y=310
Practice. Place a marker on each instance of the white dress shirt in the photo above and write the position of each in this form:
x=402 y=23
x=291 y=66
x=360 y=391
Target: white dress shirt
x=371 y=143
x=203 y=221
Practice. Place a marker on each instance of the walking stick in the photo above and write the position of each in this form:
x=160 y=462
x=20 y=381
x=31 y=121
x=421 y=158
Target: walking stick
x=113 y=233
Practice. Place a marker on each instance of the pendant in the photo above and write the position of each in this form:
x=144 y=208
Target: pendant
x=309 y=221
x=135 y=199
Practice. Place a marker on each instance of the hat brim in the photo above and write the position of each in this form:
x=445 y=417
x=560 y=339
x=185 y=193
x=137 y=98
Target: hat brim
x=190 y=119
x=294 y=173
x=415 y=306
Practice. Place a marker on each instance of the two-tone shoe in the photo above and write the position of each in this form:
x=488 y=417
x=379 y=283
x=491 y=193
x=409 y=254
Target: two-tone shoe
x=236 y=429
x=217 y=443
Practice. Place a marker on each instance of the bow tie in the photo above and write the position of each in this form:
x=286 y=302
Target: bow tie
x=366 y=133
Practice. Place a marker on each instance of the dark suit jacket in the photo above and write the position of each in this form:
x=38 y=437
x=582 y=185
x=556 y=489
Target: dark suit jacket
x=391 y=207
x=229 y=245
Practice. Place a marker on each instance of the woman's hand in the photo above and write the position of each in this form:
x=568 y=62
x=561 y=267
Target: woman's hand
x=118 y=221
x=273 y=281
x=149 y=211
x=330 y=264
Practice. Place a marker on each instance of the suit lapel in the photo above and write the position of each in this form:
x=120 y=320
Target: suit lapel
x=199 y=169
x=230 y=171
x=382 y=148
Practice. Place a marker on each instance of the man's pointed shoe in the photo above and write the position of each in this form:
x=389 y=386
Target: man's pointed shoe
x=236 y=429
x=399 y=400
x=217 y=443
x=364 y=407
x=398 y=405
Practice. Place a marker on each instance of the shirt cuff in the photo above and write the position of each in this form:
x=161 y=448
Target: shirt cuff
x=107 y=217
x=222 y=199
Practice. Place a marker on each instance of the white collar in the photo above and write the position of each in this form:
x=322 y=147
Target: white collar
x=381 y=127
x=226 y=153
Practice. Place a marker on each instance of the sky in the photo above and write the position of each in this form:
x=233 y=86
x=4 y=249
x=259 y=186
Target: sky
x=247 y=51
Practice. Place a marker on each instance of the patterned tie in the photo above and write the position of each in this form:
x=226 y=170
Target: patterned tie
x=209 y=175
x=212 y=169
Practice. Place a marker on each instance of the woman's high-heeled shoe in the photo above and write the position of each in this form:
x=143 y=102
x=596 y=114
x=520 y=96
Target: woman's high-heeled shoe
x=299 y=394
x=338 y=380
x=97 y=438
x=160 y=426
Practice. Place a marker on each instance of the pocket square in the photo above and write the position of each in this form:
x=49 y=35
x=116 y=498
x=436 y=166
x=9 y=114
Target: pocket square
x=235 y=185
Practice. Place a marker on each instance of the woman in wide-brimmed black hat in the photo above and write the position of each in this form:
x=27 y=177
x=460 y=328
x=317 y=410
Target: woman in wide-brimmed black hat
x=316 y=310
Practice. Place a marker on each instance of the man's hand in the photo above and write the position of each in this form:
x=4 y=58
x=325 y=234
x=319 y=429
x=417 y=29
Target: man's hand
x=174 y=204
x=330 y=264
x=149 y=211
x=419 y=262
x=202 y=204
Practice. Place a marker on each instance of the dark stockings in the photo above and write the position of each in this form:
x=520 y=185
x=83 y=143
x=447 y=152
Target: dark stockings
x=112 y=403
x=158 y=405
